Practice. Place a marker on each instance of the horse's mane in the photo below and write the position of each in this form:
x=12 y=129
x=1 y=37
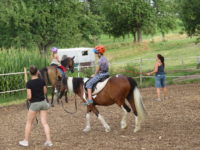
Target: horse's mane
x=77 y=82
x=43 y=74
x=65 y=60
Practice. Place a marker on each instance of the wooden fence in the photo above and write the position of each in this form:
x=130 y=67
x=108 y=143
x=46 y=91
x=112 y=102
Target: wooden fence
x=141 y=63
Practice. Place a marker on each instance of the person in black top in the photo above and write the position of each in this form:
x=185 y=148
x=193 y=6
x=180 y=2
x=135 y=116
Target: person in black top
x=36 y=89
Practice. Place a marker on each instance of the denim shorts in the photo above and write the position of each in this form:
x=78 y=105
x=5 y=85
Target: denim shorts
x=160 y=81
x=37 y=106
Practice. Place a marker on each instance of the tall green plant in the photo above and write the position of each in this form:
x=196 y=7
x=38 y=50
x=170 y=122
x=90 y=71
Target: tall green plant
x=13 y=60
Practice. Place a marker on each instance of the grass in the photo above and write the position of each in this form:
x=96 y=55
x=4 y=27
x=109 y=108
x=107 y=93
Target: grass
x=177 y=47
x=178 y=50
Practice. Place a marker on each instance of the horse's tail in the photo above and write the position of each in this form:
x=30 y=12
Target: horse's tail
x=141 y=112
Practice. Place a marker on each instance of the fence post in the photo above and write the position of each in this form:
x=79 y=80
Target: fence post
x=78 y=69
x=25 y=75
x=140 y=71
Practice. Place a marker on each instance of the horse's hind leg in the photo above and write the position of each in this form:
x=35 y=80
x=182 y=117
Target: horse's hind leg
x=137 y=121
x=100 y=117
x=125 y=109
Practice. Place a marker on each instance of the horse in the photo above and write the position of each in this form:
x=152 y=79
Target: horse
x=118 y=90
x=53 y=75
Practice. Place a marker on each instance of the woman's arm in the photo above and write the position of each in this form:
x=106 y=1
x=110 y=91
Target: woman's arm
x=29 y=94
x=155 y=69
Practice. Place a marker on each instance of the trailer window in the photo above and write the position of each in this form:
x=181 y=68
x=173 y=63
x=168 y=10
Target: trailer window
x=84 y=53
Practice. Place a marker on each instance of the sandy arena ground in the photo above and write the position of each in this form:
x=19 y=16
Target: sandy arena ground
x=172 y=124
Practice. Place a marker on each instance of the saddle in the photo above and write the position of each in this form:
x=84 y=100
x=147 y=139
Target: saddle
x=61 y=77
x=98 y=86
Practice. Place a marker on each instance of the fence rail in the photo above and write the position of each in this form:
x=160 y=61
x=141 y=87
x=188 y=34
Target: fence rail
x=138 y=60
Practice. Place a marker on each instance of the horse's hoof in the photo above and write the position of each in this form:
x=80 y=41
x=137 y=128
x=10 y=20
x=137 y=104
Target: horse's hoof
x=108 y=129
x=123 y=125
x=87 y=129
x=137 y=129
x=52 y=105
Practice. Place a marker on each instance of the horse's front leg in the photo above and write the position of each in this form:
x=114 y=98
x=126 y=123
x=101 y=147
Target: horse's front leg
x=87 y=126
x=60 y=95
x=46 y=96
x=101 y=118
x=52 y=96
x=66 y=98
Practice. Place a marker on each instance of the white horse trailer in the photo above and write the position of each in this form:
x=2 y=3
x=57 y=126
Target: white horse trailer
x=83 y=56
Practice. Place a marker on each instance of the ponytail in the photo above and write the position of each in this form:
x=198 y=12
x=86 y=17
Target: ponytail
x=162 y=59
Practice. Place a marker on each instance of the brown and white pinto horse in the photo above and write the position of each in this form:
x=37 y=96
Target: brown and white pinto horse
x=117 y=90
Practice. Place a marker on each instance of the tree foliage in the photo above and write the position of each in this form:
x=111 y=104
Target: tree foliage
x=189 y=14
x=124 y=17
x=44 y=23
x=136 y=16
x=165 y=15
x=65 y=23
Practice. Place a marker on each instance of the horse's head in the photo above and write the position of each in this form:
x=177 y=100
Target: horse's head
x=68 y=62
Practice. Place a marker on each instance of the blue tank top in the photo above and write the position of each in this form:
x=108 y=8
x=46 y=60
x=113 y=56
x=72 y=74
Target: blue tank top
x=160 y=70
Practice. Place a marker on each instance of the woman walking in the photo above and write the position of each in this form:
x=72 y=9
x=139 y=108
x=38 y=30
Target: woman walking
x=159 y=68
x=36 y=89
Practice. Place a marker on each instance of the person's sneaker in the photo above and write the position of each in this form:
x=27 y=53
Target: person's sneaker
x=48 y=143
x=23 y=143
x=88 y=102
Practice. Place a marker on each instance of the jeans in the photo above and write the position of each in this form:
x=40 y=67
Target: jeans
x=95 y=79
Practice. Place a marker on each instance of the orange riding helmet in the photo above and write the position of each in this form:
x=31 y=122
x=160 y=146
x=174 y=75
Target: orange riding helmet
x=99 y=49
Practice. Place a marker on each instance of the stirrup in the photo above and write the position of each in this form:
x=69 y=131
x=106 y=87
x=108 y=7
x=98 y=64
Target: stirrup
x=88 y=102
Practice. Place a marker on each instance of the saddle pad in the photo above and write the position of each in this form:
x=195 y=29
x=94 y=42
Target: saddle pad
x=99 y=86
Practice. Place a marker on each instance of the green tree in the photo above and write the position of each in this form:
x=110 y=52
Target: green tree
x=165 y=15
x=90 y=23
x=189 y=14
x=136 y=16
x=125 y=17
x=43 y=23
x=14 y=24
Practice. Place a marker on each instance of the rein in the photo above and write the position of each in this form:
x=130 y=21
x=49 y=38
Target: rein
x=75 y=103
x=142 y=73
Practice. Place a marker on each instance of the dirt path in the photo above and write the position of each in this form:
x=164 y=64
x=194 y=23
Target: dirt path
x=172 y=124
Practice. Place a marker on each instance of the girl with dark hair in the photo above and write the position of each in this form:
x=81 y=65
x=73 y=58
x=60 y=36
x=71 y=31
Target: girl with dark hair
x=159 y=68
x=36 y=89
